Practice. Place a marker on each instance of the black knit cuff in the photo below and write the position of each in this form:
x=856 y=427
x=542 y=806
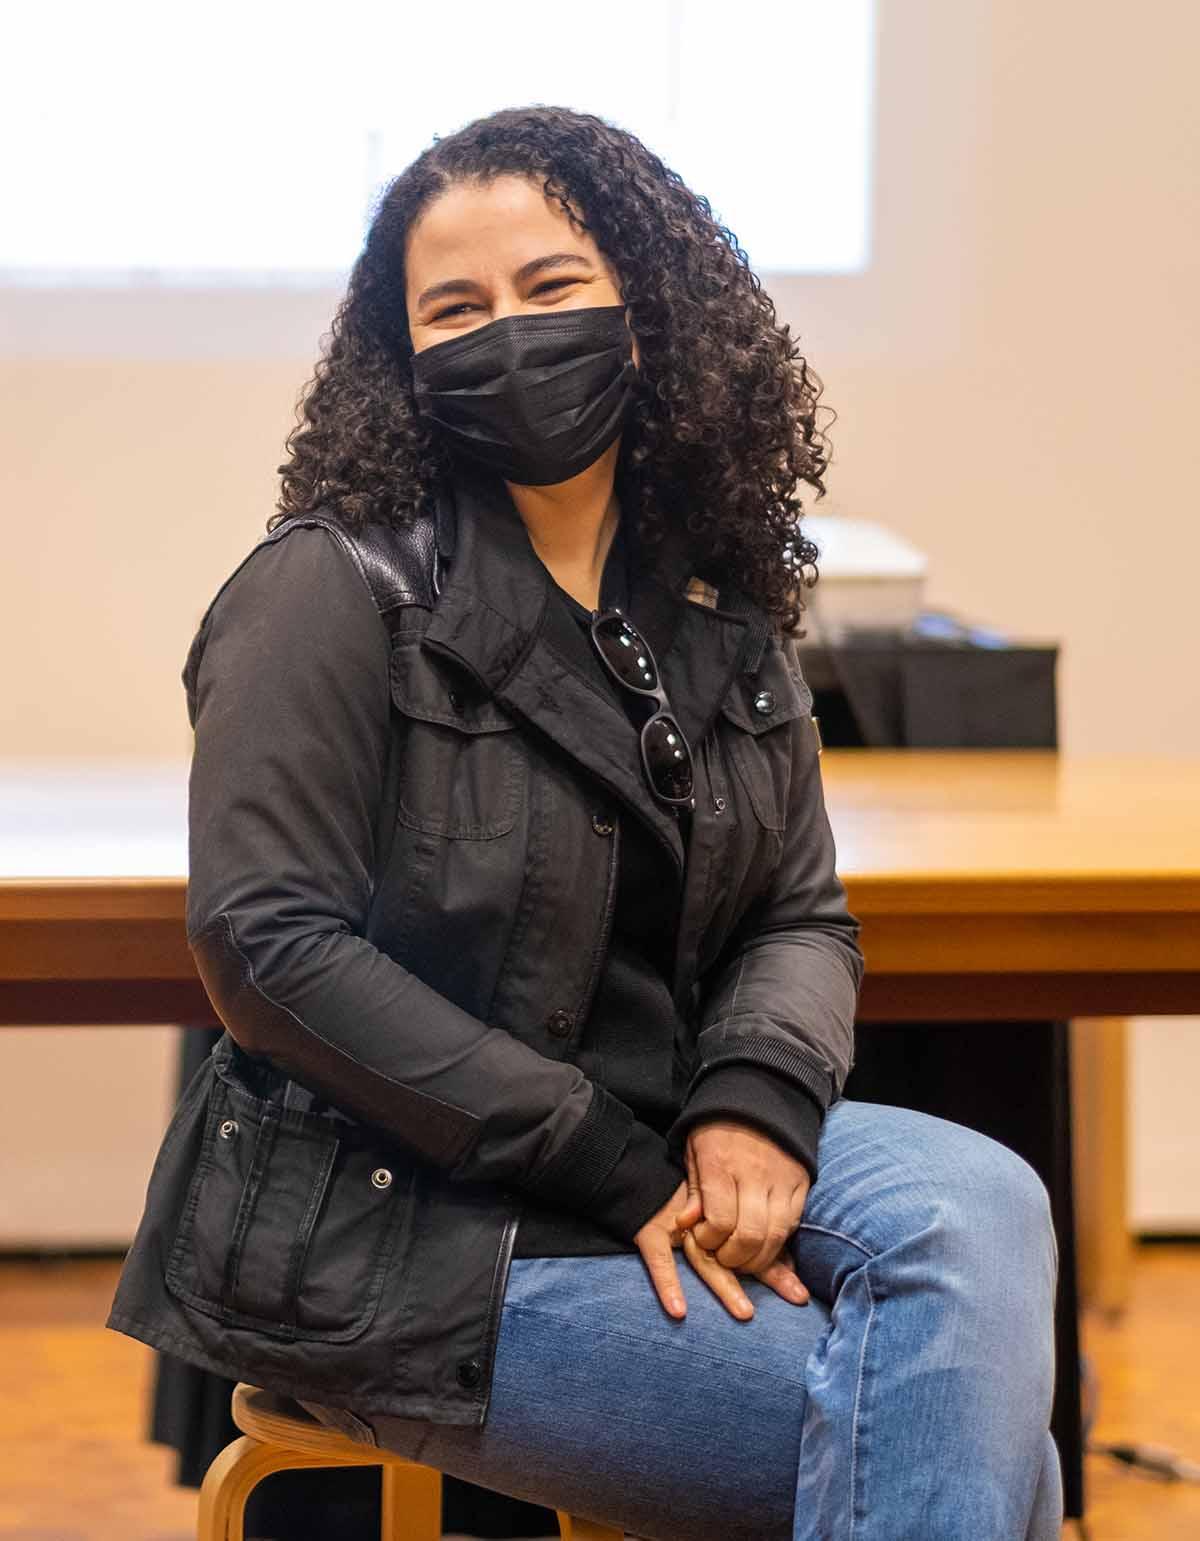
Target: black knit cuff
x=583 y=1164
x=638 y=1186
x=755 y=1095
x=614 y=1168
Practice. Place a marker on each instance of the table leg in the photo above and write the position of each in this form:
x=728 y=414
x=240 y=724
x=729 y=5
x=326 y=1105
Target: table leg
x=1100 y=1138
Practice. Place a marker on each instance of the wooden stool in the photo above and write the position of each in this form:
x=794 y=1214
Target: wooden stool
x=277 y=1435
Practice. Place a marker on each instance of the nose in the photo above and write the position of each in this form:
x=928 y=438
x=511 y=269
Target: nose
x=507 y=305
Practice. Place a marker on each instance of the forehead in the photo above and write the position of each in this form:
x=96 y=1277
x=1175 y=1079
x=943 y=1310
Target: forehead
x=477 y=229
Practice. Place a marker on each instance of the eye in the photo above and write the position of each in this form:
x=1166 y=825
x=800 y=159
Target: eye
x=550 y=283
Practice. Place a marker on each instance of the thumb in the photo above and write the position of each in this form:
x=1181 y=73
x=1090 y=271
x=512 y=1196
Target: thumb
x=693 y=1211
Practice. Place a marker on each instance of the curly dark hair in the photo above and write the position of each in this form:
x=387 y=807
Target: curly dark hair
x=723 y=424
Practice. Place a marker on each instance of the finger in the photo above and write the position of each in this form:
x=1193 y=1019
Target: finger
x=660 y=1264
x=747 y=1246
x=719 y=1279
x=785 y=1281
x=695 y=1197
x=780 y=1204
x=692 y=1212
x=693 y=1207
x=781 y=1274
x=719 y=1196
x=797 y=1202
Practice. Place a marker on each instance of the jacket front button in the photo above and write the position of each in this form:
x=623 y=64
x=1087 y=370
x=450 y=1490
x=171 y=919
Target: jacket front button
x=559 y=1022
x=764 y=702
x=468 y=1372
x=602 y=824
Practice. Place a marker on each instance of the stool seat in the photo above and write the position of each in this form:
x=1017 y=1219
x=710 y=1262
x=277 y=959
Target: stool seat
x=278 y=1420
x=280 y=1435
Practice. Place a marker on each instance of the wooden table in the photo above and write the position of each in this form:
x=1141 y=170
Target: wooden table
x=1042 y=897
x=992 y=885
x=1020 y=884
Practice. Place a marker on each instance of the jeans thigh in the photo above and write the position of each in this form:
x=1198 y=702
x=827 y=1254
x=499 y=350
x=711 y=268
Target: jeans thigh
x=605 y=1406
x=888 y=1174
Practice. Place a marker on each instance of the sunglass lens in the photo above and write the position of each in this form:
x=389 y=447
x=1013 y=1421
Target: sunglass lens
x=668 y=759
x=626 y=654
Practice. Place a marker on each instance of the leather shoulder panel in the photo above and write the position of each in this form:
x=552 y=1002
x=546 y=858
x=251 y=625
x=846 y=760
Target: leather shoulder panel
x=398 y=563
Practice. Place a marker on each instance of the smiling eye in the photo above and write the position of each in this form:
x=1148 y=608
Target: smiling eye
x=550 y=283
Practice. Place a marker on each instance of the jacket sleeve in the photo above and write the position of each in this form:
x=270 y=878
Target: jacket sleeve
x=753 y=1094
x=776 y=1039
x=288 y=695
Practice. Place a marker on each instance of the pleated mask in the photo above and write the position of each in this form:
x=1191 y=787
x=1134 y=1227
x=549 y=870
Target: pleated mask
x=534 y=396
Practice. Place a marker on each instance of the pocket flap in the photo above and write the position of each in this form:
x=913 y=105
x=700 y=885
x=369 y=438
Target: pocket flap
x=291 y=1219
x=778 y=693
x=424 y=688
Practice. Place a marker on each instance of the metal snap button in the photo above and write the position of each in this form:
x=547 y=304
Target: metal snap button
x=602 y=824
x=456 y=700
x=381 y=1177
x=764 y=702
x=559 y=1022
x=228 y=1129
x=468 y=1372
x=719 y=804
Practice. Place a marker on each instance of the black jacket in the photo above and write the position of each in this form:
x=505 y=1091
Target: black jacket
x=627 y=1038
x=405 y=811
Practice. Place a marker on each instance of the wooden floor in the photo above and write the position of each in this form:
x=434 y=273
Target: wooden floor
x=74 y=1465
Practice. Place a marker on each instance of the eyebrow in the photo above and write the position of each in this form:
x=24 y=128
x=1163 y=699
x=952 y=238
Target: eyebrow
x=557 y=259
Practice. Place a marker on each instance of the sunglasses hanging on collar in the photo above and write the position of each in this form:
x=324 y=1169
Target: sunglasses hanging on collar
x=666 y=753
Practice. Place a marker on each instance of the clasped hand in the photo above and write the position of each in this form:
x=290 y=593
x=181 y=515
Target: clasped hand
x=742 y=1198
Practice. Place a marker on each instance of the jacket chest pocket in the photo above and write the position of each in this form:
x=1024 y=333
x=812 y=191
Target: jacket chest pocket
x=290 y=1220
x=747 y=765
x=757 y=724
x=462 y=770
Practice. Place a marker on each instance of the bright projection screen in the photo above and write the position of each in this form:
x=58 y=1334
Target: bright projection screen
x=246 y=144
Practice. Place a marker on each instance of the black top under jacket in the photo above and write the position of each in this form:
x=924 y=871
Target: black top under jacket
x=631 y=1028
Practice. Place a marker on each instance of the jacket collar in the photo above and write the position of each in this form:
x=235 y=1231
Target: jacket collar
x=493 y=616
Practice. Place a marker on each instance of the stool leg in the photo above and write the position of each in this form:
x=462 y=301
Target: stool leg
x=229 y=1481
x=411 y=1502
x=575 y=1528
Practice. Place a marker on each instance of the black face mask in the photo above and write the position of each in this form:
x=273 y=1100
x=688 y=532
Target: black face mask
x=535 y=397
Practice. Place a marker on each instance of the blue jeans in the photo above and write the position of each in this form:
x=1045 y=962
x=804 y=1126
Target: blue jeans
x=909 y=1399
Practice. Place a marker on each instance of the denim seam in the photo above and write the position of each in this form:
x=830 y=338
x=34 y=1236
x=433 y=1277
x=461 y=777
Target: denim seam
x=862 y=1355
x=733 y=1364
x=824 y=1230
